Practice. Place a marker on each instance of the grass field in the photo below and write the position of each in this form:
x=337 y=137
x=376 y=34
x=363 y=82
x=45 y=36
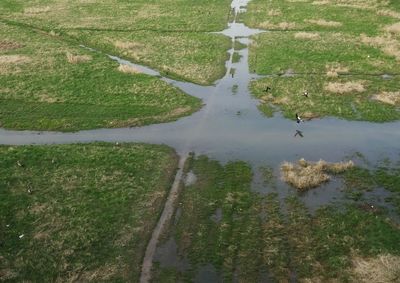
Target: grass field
x=170 y=36
x=50 y=84
x=80 y=212
x=224 y=227
x=333 y=47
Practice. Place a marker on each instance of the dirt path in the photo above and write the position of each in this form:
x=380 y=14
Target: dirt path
x=164 y=219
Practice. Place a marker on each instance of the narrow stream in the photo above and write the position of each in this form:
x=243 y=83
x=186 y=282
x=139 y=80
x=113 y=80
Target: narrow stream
x=230 y=127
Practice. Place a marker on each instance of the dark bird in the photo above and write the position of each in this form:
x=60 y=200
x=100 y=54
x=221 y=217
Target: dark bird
x=305 y=93
x=267 y=89
x=299 y=133
x=298 y=119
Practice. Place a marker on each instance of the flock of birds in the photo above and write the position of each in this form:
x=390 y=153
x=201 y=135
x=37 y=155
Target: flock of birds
x=298 y=118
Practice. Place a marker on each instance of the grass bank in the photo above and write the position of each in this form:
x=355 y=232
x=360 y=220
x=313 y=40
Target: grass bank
x=49 y=84
x=80 y=212
x=331 y=47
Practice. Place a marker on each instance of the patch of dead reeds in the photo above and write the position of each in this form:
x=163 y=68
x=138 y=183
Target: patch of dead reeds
x=307 y=35
x=76 y=59
x=389 y=13
x=392 y=98
x=36 y=10
x=274 y=12
x=347 y=87
x=334 y=69
x=13 y=59
x=324 y=23
x=127 y=44
x=278 y=26
x=9 y=45
x=383 y=268
x=305 y=175
x=395 y=28
x=128 y=69
x=386 y=43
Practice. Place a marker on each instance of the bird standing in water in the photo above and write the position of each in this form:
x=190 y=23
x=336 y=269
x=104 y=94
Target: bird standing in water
x=298 y=119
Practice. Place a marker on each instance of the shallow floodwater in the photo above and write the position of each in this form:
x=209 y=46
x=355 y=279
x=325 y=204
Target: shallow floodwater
x=230 y=127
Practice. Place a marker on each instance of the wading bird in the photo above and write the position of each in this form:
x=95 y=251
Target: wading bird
x=298 y=119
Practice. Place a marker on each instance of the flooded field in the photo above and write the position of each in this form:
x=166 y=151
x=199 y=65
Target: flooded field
x=230 y=128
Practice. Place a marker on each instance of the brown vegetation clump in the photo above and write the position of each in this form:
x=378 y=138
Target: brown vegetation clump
x=75 y=59
x=392 y=98
x=8 y=45
x=389 y=13
x=383 y=268
x=307 y=35
x=306 y=175
x=333 y=70
x=324 y=23
x=13 y=59
x=346 y=87
x=388 y=45
x=128 y=69
x=36 y=10
x=278 y=26
x=395 y=28
x=274 y=12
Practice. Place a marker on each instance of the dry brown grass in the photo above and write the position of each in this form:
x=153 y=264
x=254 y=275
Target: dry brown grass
x=387 y=44
x=36 y=10
x=333 y=70
x=278 y=26
x=128 y=69
x=305 y=175
x=9 y=45
x=392 y=98
x=395 y=28
x=323 y=2
x=127 y=44
x=389 y=13
x=307 y=35
x=347 y=87
x=383 y=268
x=324 y=23
x=13 y=59
x=76 y=59
x=274 y=12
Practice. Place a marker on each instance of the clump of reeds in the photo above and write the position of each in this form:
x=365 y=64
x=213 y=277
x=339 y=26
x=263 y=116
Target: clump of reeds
x=75 y=59
x=383 y=268
x=347 y=87
x=305 y=175
x=128 y=69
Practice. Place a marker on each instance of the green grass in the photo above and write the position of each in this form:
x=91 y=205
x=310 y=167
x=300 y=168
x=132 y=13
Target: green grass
x=46 y=92
x=190 y=56
x=90 y=213
x=287 y=94
x=353 y=50
x=172 y=36
x=260 y=235
x=189 y=15
x=268 y=15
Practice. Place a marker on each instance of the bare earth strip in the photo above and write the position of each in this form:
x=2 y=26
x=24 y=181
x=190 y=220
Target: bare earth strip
x=164 y=219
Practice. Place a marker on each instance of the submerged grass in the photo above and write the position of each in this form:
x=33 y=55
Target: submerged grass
x=249 y=237
x=80 y=212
